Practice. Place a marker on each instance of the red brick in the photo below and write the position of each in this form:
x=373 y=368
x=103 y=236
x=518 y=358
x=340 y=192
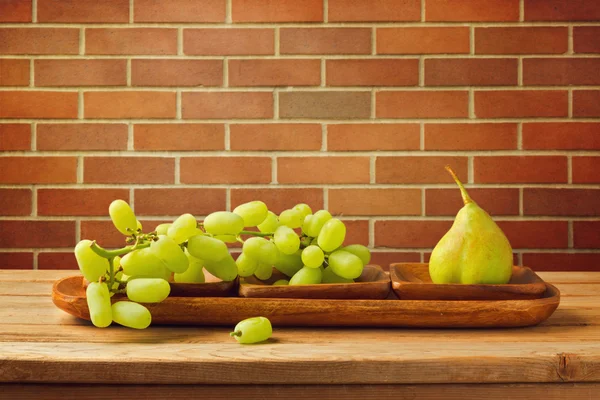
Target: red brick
x=586 y=234
x=179 y=10
x=321 y=104
x=57 y=260
x=404 y=72
x=223 y=170
x=179 y=137
x=77 y=137
x=586 y=103
x=375 y=201
x=29 y=170
x=78 y=201
x=521 y=103
x=374 y=10
x=228 y=42
x=15 y=11
x=39 y=41
x=357 y=232
x=586 y=169
x=128 y=104
x=472 y=10
x=410 y=234
x=176 y=72
x=80 y=72
x=275 y=137
x=585 y=39
x=15 y=137
x=419 y=169
x=323 y=170
x=276 y=11
x=278 y=199
x=470 y=72
x=561 y=202
x=105 y=11
x=429 y=40
x=137 y=170
x=37 y=104
x=495 y=201
x=131 y=41
x=562 y=261
x=32 y=234
x=561 y=71
x=520 y=169
x=562 y=10
x=385 y=258
x=325 y=41
x=15 y=202
x=521 y=40
x=14 y=72
x=561 y=136
x=351 y=137
x=178 y=201
x=16 y=260
x=536 y=234
x=225 y=105
x=274 y=72
x=104 y=232
x=479 y=136
x=422 y=104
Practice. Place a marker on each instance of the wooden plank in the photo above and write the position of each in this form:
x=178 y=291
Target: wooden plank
x=569 y=277
x=19 y=275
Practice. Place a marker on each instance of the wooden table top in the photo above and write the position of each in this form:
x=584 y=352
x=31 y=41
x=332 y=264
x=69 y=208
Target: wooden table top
x=40 y=343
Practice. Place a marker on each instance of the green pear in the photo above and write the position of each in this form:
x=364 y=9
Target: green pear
x=474 y=250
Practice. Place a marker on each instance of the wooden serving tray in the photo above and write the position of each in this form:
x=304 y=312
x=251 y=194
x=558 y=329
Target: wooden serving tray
x=68 y=294
x=411 y=281
x=373 y=283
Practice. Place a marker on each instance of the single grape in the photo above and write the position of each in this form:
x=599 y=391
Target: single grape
x=289 y=264
x=261 y=250
x=253 y=213
x=281 y=282
x=92 y=265
x=332 y=235
x=144 y=263
x=148 y=290
x=330 y=277
x=194 y=273
x=291 y=218
x=246 y=265
x=223 y=223
x=184 y=227
x=123 y=217
x=304 y=209
x=307 y=276
x=118 y=275
x=345 y=264
x=162 y=229
x=286 y=240
x=131 y=315
x=207 y=248
x=264 y=271
x=270 y=223
x=170 y=254
x=225 y=269
x=314 y=223
x=360 y=251
x=252 y=330
x=98 y=301
x=313 y=257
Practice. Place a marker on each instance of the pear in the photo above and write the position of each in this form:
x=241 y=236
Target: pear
x=474 y=250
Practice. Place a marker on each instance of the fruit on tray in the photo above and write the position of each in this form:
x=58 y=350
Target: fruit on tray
x=474 y=250
x=252 y=330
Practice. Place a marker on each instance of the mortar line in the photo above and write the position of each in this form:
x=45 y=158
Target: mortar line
x=277 y=42
x=570 y=103
x=132 y=198
x=130 y=137
x=372 y=171
x=471 y=39
x=228 y=199
x=81 y=41
x=423 y=203
x=129 y=72
x=373 y=41
x=371 y=233
x=34 y=136
x=276 y=104
x=521 y=10
x=34 y=18
x=226 y=72
x=571 y=234
x=228 y=18
x=422 y=136
x=227 y=137
x=519 y=136
x=570 y=40
x=520 y=71
x=521 y=201
x=36 y=253
x=324 y=137
x=31 y=73
x=80 y=105
x=569 y=169
x=325 y=11
x=273 y=169
x=131 y=7
x=373 y=111
x=178 y=105
x=423 y=10
x=325 y=198
x=177 y=170
x=471 y=104
x=80 y=172
x=323 y=72
x=34 y=201
x=471 y=171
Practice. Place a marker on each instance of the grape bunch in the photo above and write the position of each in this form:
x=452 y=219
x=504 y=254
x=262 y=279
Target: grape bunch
x=305 y=247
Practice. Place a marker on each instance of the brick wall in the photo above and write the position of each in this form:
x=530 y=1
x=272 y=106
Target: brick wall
x=354 y=105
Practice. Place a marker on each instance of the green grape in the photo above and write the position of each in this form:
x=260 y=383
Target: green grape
x=184 y=227
x=330 y=277
x=313 y=257
x=291 y=218
x=253 y=213
x=144 y=263
x=261 y=250
x=226 y=238
x=123 y=217
x=225 y=269
x=139 y=226
x=162 y=229
x=345 y=264
x=307 y=276
x=252 y=330
x=264 y=271
x=118 y=275
x=286 y=240
x=92 y=265
x=170 y=254
x=314 y=223
x=223 y=223
x=360 y=251
x=207 y=248
x=98 y=301
x=148 y=290
x=289 y=264
x=270 y=223
x=131 y=315
x=246 y=265
x=304 y=209
x=194 y=273
x=281 y=282
x=332 y=235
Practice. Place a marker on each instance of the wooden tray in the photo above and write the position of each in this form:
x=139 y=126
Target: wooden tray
x=373 y=283
x=68 y=295
x=411 y=281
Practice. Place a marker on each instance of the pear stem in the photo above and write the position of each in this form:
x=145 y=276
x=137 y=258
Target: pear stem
x=465 y=196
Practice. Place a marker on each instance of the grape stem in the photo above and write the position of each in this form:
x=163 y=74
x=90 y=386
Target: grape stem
x=102 y=252
x=253 y=233
x=236 y=333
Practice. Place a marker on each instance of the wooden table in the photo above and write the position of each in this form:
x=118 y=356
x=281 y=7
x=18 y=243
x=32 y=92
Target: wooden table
x=43 y=349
